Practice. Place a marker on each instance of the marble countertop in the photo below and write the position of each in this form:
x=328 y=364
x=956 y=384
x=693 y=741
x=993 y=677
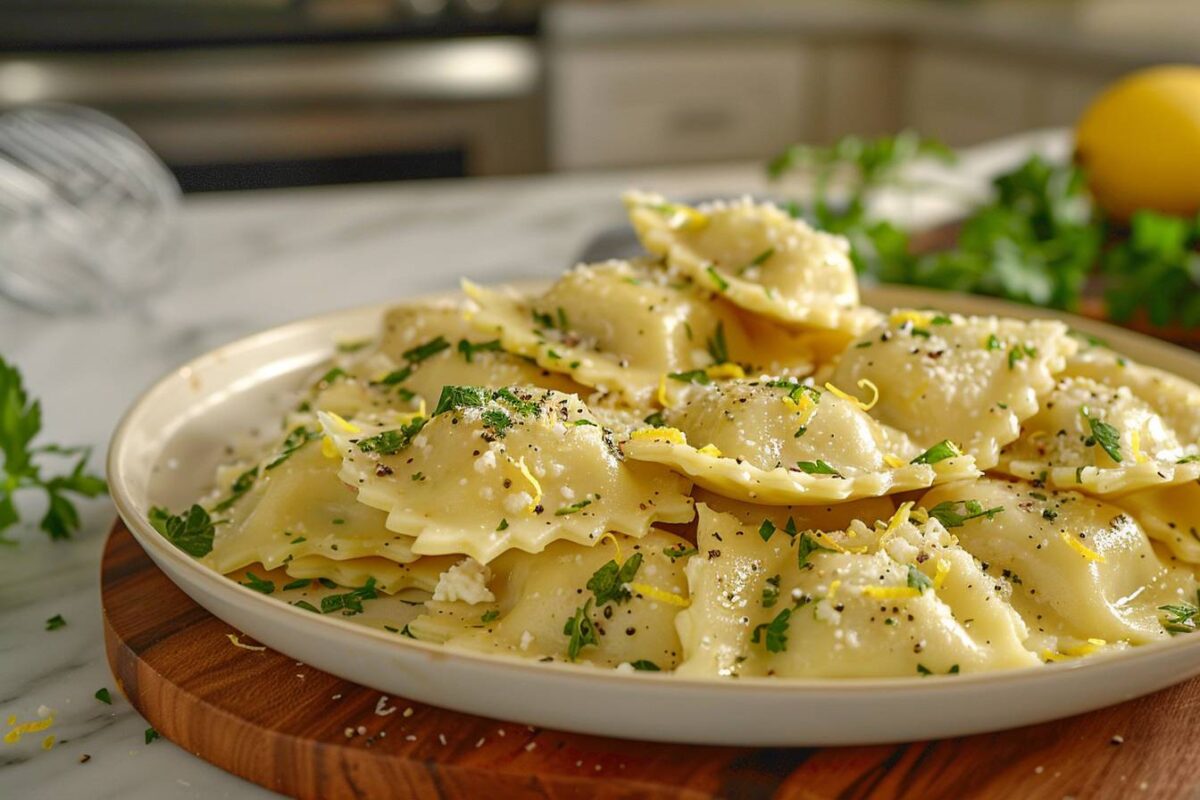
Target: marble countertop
x=252 y=261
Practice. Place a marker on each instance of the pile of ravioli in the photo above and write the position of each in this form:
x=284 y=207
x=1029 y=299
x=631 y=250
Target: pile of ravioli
x=712 y=460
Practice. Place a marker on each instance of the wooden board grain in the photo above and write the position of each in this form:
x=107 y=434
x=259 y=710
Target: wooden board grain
x=305 y=733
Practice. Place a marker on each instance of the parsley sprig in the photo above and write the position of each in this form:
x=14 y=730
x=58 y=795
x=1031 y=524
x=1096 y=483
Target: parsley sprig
x=20 y=423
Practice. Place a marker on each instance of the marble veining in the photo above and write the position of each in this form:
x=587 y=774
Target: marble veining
x=252 y=261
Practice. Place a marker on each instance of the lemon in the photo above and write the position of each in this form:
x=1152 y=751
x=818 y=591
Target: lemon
x=1139 y=142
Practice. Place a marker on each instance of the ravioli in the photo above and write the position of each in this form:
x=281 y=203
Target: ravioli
x=536 y=597
x=1100 y=440
x=758 y=257
x=623 y=328
x=300 y=507
x=494 y=470
x=1170 y=516
x=422 y=349
x=389 y=577
x=972 y=380
x=785 y=443
x=1084 y=574
x=898 y=599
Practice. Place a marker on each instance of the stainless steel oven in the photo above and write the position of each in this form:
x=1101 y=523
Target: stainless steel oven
x=247 y=104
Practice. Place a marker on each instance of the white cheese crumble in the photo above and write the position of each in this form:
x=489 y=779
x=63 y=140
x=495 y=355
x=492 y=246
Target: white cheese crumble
x=526 y=640
x=466 y=581
x=485 y=462
x=517 y=501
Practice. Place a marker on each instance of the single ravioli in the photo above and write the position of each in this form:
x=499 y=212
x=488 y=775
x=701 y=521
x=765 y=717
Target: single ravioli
x=1101 y=440
x=296 y=506
x=972 y=380
x=1169 y=515
x=783 y=443
x=497 y=469
x=1084 y=574
x=758 y=257
x=623 y=327
x=422 y=349
x=894 y=599
x=607 y=605
x=1175 y=399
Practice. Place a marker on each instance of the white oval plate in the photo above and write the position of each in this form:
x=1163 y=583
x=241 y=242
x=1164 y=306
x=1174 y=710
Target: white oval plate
x=165 y=450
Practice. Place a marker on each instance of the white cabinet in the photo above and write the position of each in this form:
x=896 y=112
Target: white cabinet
x=664 y=102
x=964 y=98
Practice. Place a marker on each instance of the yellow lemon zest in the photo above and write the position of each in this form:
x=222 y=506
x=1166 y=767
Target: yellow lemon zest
x=48 y=742
x=725 y=370
x=862 y=384
x=943 y=569
x=346 y=427
x=710 y=450
x=920 y=516
x=1135 y=445
x=833 y=589
x=36 y=726
x=899 y=518
x=684 y=218
x=1081 y=548
x=616 y=544
x=236 y=642
x=671 y=435
x=890 y=592
x=804 y=406
x=537 y=487
x=825 y=540
x=915 y=317
x=893 y=461
x=663 y=400
x=1097 y=642
x=654 y=593
x=1050 y=655
x=329 y=448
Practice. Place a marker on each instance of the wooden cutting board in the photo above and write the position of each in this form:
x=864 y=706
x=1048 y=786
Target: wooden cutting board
x=302 y=732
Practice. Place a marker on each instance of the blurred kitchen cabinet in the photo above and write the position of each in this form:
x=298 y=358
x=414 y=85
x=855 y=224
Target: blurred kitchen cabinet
x=860 y=89
x=621 y=104
x=963 y=98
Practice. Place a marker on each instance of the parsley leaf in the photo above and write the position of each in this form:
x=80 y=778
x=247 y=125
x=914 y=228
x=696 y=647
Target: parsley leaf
x=770 y=592
x=766 y=530
x=818 y=467
x=388 y=443
x=691 y=376
x=717 y=346
x=656 y=420
x=805 y=547
x=469 y=349
x=296 y=439
x=258 y=584
x=151 y=735
x=55 y=622
x=939 y=452
x=421 y=352
x=496 y=421
x=20 y=423
x=918 y=580
x=104 y=696
x=642 y=665
x=775 y=632
x=455 y=397
x=242 y=484
x=608 y=582
x=716 y=278
x=676 y=553
x=349 y=603
x=953 y=513
x=192 y=531
x=1105 y=435
x=581 y=631
x=489 y=616
x=1182 y=617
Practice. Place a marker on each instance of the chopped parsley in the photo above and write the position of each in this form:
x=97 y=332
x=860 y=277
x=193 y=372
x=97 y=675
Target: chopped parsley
x=349 y=603
x=497 y=421
x=803 y=429
x=421 y=352
x=1182 y=617
x=1018 y=352
x=455 y=397
x=918 y=580
x=818 y=467
x=759 y=259
x=939 y=452
x=291 y=443
x=104 y=696
x=489 y=616
x=796 y=390
x=299 y=583
x=717 y=346
x=1192 y=459
x=307 y=606
x=151 y=735
x=332 y=375
x=242 y=484
x=993 y=343
x=863 y=345
x=352 y=347
x=192 y=531
x=774 y=633
x=469 y=349
x=721 y=284
x=766 y=530
x=608 y=582
x=394 y=377
x=642 y=665
x=574 y=507
x=655 y=420
x=581 y=631
x=55 y=622
x=942 y=319
x=581 y=422
x=391 y=442
x=258 y=584
x=503 y=526
x=691 y=376
x=676 y=553
x=923 y=670
x=805 y=547
x=954 y=513
x=1103 y=434
x=770 y=592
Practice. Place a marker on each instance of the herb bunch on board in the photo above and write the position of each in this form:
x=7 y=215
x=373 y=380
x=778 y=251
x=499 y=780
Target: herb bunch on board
x=24 y=467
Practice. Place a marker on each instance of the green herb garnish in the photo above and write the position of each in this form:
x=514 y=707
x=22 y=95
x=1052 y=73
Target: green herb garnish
x=642 y=665
x=242 y=484
x=939 y=452
x=954 y=513
x=918 y=580
x=774 y=632
x=608 y=582
x=469 y=349
x=676 y=553
x=192 y=531
x=104 y=696
x=421 y=352
x=1103 y=434
x=770 y=592
x=716 y=278
x=818 y=467
x=388 y=443
x=258 y=584
x=581 y=631
x=574 y=507
x=717 y=346
x=691 y=376
x=297 y=438
x=55 y=622
x=805 y=547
